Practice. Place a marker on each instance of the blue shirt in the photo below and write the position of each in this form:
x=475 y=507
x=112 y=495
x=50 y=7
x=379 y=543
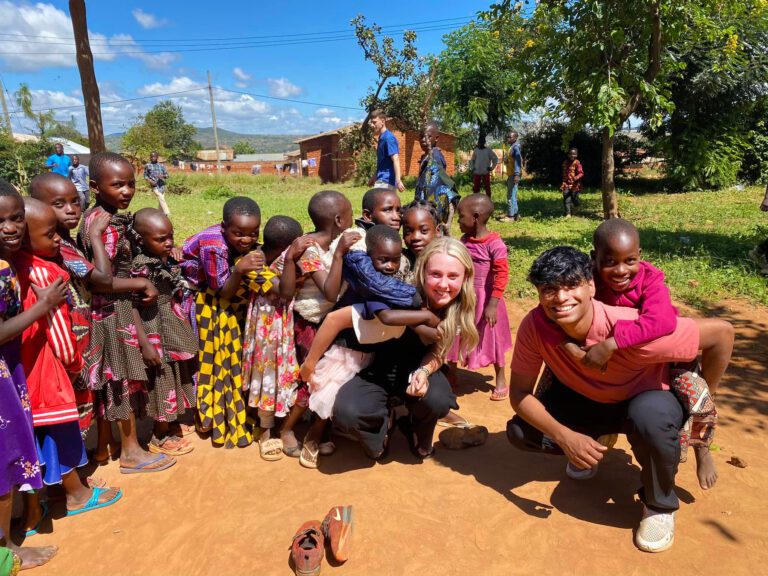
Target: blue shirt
x=515 y=159
x=79 y=176
x=59 y=164
x=385 y=168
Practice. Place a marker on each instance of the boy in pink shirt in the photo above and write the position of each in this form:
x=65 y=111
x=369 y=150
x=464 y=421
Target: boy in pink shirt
x=623 y=279
x=628 y=395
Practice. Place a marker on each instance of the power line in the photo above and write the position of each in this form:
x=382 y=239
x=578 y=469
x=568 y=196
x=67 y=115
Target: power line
x=201 y=88
x=275 y=43
x=236 y=38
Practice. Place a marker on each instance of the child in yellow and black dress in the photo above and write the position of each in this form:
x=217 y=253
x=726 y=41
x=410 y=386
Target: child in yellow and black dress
x=168 y=344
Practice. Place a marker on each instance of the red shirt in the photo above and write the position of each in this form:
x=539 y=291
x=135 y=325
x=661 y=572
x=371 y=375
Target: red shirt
x=629 y=372
x=49 y=351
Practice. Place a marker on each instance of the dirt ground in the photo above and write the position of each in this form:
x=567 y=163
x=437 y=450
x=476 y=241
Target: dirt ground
x=489 y=510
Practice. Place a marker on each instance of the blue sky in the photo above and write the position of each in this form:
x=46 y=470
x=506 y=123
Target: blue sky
x=135 y=46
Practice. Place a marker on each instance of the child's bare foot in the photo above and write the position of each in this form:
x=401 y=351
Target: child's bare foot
x=33 y=513
x=705 y=467
x=306 y=370
x=291 y=446
x=34 y=557
x=104 y=454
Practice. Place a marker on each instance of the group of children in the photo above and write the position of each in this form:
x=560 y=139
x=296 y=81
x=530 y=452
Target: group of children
x=122 y=324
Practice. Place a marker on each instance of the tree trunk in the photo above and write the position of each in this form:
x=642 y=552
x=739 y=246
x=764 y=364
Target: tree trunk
x=610 y=202
x=87 y=76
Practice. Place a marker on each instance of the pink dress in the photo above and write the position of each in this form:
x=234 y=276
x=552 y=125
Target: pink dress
x=489 y=256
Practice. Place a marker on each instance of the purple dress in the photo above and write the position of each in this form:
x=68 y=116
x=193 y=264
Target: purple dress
x=489 y=256
x=18 y=457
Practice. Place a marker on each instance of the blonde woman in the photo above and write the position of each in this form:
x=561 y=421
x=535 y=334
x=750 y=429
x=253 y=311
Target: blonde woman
x=407 y=369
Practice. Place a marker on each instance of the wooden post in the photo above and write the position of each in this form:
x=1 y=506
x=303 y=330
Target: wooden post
x=87 y=76
x=213 y=118
x=5 y=111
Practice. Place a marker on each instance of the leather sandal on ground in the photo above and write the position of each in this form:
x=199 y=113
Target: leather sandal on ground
x=460 y=438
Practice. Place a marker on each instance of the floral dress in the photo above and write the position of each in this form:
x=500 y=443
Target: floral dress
x=170 y=387
x=114 y=367
x=19 y=466
x=270 y=368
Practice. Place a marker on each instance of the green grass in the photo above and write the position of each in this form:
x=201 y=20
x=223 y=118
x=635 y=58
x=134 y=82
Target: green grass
x=699 y=239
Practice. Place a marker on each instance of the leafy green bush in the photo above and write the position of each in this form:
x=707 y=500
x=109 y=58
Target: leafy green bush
x=22 y=161
x=543 y=153
x=176 y=185
x=218 y=192
x=365 y=166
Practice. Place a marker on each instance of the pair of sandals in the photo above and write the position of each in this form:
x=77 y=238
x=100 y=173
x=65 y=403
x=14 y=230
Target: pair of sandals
x=170 y=446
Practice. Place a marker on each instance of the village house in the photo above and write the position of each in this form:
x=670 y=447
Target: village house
x=322 y=157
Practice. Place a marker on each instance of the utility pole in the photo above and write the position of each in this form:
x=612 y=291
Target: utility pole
x=213 y=117
x=88 y=82
x=5 y=110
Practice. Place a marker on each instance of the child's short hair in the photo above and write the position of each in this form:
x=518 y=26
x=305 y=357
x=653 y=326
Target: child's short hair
x=280 y=231
x=432 y=124
x=381 y=233
x=99 y=162
x=241 y=205
x=372 y=196
x=7 y=189
x=324 y=205
x=144 y=217
x=612 y=228
x=574 y=149
x=40 y=183
x=426 y=206
x=560 y=266
x=378 y=113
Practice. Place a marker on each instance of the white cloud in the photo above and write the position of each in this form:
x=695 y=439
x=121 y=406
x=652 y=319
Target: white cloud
x=282 y=88
x=240 y=74
x=42 y=38
x=335 y=120
x=324 y=112
x=147 y=20
x=241 y=85
x=177 y=84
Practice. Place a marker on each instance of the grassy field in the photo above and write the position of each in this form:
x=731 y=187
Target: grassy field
x=699 y=239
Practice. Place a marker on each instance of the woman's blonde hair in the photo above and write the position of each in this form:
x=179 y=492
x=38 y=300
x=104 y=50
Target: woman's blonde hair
x=459 y=315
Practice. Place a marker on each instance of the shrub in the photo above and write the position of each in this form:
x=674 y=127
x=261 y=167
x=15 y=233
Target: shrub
x=176 y=185
x=543 y=153
x=365 y=166
x=21 y=161
x=218 y=192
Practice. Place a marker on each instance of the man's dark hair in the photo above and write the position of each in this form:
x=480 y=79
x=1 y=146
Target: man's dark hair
x=381 y=233
x=100 y=161
x=378 y=113
x=419 y=205
x=7 y=189
x=432 y=124
x=280 y=231
x=371 y=197
x=560 y=266
x=240 y=205
x=41 y=182
x=324 y=205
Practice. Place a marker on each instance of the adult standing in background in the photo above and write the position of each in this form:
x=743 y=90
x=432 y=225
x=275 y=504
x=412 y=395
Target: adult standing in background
x=514 y=164
x=387 y=155
x=482 y=162
x=156 y=174
x=58 y=161
x=79 y=176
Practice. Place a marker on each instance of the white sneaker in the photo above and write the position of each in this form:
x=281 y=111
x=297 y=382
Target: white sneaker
x=576 y=473
x=656 y=532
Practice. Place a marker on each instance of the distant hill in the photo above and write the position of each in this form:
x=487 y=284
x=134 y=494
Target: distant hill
x=263 y=143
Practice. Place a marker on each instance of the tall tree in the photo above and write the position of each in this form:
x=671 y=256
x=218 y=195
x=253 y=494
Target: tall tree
x=177 y=134
x=595 y=62
x=87 y=76
x=43 y=120
x=478 y=84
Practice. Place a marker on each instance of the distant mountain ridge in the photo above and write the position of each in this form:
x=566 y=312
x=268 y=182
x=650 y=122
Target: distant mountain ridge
x=263 y=143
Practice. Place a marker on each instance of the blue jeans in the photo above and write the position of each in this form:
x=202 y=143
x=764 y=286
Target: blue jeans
x=512 y=196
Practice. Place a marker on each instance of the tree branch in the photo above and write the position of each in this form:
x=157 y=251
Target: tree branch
x=654 y=61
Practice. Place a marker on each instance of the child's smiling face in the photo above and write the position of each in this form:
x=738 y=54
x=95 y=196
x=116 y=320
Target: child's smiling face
x=241 y=232
x=12 y=223
x=618 y=261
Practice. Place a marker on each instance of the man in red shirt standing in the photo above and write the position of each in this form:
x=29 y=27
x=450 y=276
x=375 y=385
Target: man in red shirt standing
x=582 y=404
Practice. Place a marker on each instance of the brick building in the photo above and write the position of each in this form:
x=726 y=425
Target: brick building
x=324 y=159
